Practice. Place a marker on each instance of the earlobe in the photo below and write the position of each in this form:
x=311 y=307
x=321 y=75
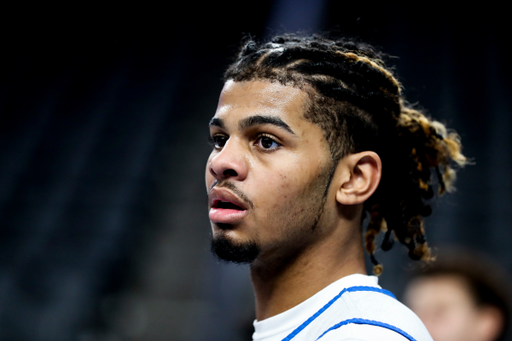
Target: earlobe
x=358 y=178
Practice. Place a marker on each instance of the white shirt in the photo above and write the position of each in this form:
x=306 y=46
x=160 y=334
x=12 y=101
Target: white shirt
x=353 y=308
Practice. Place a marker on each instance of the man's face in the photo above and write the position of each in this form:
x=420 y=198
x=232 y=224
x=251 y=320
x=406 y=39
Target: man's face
x=268 y=173
x=446 y=307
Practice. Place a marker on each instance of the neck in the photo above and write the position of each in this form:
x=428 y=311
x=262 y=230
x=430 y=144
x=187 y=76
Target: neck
x=282 y=284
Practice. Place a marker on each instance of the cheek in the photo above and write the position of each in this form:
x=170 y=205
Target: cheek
x=274 y=195
x=450 y=323
x=289 y=195
x=286 y=185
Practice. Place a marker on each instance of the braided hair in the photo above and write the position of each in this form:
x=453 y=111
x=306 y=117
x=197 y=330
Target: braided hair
x=358 y=103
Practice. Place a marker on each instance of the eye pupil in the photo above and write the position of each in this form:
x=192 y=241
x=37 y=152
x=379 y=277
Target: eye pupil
x=219 y=141
x=266 y=142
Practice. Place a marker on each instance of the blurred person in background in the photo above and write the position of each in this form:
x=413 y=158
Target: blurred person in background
x=462 y=296
x=310 y=135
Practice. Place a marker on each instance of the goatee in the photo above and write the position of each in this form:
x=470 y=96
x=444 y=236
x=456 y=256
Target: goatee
x=225 y=249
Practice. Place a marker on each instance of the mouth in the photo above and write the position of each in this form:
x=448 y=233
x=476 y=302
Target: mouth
x=226 y=205
x=225 y=208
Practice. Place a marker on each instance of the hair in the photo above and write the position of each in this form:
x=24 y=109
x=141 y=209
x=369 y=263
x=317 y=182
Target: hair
x=358 y=103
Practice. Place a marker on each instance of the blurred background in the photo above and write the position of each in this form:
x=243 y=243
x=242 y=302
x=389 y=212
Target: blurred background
x=104 y=233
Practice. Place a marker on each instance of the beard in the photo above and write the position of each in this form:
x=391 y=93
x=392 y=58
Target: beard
x=226 y=250
x=300 y=224
x=247 y=252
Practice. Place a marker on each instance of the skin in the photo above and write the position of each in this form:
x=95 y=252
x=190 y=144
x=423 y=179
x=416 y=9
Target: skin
x=447 y=308
x=301 y=209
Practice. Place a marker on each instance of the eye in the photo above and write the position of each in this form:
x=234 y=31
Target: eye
x=218 y=141
x=267 y=143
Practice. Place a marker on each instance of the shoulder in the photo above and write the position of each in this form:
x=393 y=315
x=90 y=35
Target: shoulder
x=369 y=313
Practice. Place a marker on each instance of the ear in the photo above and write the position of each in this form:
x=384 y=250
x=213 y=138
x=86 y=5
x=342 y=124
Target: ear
x=490 y=323
x=357 y=177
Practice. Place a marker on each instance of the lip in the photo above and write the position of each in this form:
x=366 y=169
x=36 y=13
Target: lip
x=225 y=215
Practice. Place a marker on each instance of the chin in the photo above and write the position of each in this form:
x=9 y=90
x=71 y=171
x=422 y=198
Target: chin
x=230 y=251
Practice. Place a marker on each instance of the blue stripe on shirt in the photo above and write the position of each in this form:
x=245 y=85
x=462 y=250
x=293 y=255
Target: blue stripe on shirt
x=328 y=304
x=370 y=322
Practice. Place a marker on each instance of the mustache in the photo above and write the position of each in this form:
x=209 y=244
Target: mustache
x=241 y=195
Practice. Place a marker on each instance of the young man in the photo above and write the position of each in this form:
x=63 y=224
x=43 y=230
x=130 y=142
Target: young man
x=310 y=135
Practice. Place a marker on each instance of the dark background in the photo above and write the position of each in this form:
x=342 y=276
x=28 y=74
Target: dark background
x=103 y=142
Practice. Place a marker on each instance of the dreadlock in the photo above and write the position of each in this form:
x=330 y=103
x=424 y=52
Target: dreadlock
x=358 y=103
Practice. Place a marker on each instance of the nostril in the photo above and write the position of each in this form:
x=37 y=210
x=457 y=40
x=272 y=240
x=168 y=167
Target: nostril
x=229 y=172
x=212 y=171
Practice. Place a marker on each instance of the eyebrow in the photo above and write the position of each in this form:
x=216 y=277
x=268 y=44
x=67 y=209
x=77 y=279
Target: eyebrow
x=217 y=122
x=260 y=119
x=254 y=120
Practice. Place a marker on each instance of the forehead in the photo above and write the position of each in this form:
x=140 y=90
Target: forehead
x=442 y=288
x=261 y=97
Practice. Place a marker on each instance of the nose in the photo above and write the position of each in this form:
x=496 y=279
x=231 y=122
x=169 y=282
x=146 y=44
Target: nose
x=229 y=162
